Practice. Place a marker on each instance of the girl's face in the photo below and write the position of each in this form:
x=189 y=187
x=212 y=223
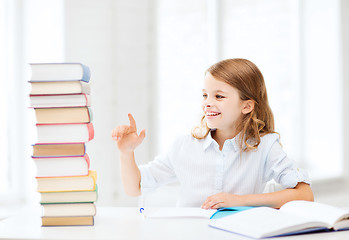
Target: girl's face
x=221 y=104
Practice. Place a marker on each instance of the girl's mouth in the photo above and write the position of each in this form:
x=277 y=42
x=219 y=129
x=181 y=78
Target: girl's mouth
x=212 y=114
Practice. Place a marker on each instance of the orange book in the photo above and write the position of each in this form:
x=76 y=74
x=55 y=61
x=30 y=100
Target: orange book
x=58 y=149
x=63 y=115
x=67 y=221
x=68 y=184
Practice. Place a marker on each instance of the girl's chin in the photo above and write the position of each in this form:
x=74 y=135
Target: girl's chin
x=212 y=126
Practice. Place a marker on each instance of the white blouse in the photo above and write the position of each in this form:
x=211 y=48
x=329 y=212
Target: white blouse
x=203 y=170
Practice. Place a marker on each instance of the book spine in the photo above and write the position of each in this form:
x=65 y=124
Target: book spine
x=88 y=100
x=85 y=87
x=90 y=114
x=87 y=158
x=86 y=73
x=90 y=131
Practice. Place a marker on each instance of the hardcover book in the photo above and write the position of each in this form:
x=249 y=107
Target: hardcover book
x=69 y=197
x=67 y=221
x=62 y=166
x=61 y=184
x=44 y=72
x=58 y=149
x=51 y=101
x=59 y=87
x=64 y=133
x=68 y=210
x=63 y=115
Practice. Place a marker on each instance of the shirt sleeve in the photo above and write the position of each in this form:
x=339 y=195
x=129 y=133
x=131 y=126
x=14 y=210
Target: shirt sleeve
x=157 y=173
x=282 y=169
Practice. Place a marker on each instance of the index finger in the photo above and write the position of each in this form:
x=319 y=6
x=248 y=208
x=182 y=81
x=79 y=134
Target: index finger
x=133 y=126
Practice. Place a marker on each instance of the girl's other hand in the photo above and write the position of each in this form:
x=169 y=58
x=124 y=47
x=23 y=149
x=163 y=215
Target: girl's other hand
x=126 y=136
x=220 y=200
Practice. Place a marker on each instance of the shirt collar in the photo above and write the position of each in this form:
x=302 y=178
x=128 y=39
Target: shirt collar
x=209 y=140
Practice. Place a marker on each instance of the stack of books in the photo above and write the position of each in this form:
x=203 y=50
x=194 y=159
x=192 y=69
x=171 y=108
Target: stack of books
x=60 y=97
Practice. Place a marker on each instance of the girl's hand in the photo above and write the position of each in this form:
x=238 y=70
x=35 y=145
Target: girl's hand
x=220 y=200
x=126 y=137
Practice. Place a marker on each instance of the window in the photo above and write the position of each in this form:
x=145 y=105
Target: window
x=4 y=75
x=294 y=43
x=40 y=39
x=182 y=58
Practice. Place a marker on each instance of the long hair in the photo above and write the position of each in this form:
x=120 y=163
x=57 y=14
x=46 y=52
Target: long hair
x=244 y=76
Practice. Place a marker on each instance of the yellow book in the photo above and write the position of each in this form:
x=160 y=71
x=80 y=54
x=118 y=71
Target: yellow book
x=67 y=184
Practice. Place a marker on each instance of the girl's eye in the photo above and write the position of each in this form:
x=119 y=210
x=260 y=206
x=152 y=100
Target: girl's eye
x=204 y=95
x=219 y=96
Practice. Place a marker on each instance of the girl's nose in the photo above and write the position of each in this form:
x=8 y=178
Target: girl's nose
x=207 y=102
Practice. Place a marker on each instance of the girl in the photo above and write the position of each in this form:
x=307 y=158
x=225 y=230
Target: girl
x=228 y=160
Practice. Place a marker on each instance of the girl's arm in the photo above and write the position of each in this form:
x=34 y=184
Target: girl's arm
x=130 y=174
x=127 y=140
x=274 y=199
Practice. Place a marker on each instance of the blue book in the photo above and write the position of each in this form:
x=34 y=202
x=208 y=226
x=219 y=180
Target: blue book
x=52 y=72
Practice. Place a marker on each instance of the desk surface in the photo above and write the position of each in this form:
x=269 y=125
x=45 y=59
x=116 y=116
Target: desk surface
x=127 y=223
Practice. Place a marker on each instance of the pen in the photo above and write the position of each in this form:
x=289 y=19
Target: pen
x=141 y=210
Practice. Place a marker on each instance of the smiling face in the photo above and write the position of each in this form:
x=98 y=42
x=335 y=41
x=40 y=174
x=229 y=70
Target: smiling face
x=221 y=104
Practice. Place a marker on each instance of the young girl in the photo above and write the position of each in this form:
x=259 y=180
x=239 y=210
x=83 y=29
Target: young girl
x=228 y=160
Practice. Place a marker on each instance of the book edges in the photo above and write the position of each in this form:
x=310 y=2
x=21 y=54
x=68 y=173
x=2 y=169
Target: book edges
x=83 y=110
x=67 y=221
x=52 y=95
x=38 y=154
x=91 y=174
x=89 y=126
x=82 y=201
x=85 y=156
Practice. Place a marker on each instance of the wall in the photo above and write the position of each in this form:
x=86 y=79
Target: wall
x=117 y=40
x=113 y=39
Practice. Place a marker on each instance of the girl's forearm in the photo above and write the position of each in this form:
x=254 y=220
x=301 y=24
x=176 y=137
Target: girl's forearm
x=276 y=199
x=130 y=174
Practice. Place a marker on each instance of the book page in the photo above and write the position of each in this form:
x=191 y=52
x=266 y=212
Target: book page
x=182 y=212
x=316 y=211
x=264 y=222
x=341 y=225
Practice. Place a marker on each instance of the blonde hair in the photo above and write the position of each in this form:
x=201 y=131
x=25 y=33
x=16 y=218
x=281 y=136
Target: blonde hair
x=245 y=76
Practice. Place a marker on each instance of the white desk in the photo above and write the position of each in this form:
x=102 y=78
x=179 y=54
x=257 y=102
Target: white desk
x=127 y=223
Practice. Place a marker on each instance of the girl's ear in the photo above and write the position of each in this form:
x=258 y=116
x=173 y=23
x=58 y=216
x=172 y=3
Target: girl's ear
x=247 y=106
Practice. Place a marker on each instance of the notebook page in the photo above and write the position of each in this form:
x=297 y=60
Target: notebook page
x=317 y=211
x=182 y=213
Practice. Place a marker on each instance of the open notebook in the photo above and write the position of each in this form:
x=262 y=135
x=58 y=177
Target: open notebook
x=294 y=217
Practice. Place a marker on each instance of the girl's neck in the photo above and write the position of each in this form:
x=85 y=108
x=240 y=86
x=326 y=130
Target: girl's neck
x=221 y=136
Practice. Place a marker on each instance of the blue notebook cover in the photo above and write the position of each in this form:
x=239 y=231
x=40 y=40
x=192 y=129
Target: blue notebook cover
x=223 y=212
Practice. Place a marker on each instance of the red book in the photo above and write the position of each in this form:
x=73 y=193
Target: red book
x=64 y=133
x=62 y=166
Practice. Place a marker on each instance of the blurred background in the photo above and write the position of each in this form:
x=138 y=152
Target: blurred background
x=148 y=58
